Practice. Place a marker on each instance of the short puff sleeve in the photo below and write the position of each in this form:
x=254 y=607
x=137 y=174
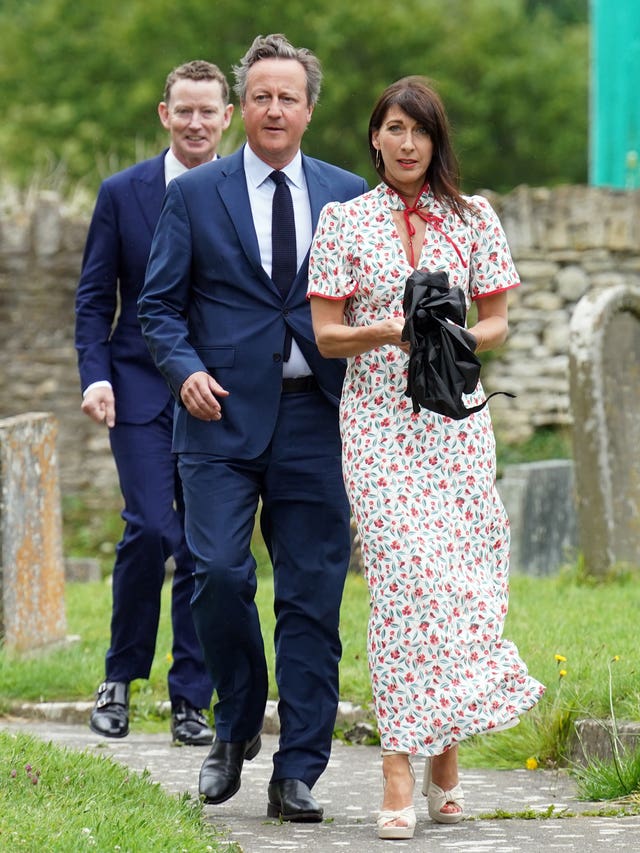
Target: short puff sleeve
x=330 y=259
x=491 y=268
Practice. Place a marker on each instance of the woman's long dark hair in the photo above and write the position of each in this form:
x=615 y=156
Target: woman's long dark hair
x=416 y=96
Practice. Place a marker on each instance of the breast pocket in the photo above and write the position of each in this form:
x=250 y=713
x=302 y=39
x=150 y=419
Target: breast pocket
x=216 y=357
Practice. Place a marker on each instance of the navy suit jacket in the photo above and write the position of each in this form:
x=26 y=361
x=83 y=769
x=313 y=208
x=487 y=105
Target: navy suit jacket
x=115 y=259
x=207 y=304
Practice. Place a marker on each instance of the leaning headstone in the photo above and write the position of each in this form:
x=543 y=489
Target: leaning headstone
x=32 y=611
x=604 y=364
x=539 y=499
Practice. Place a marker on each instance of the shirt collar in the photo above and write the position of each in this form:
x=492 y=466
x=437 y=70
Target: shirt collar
x=257 y=171
x=173 y=167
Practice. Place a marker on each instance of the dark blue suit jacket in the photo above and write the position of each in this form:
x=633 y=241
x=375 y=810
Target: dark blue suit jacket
x=208 y=304
x=115 y=257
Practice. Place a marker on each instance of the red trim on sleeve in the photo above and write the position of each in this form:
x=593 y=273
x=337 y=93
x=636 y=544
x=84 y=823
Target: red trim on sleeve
x=333 y=298
x=493 y=292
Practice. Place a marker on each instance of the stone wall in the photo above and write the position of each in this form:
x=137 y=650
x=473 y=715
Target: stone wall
x=41 y=244
x=565 y=241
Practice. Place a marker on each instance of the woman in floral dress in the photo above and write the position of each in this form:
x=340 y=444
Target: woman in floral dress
x=433 y=531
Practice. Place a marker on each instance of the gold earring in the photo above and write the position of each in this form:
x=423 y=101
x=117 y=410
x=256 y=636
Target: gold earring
x=377 y=158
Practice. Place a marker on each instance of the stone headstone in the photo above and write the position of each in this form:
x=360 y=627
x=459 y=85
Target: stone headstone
x=32 y=611
x=82 y=569
x=539 y=499
x=604 y=365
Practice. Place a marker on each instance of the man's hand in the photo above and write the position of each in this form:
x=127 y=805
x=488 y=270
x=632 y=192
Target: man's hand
x=199 y=392
x=99 y=403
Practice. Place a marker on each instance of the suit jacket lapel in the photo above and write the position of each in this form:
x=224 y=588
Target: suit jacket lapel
x=319 y=190
x=319 y=195
x=148 y=185
x=235 y=197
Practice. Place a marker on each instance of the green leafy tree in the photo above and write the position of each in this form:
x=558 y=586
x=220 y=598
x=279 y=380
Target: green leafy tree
x=81 y=80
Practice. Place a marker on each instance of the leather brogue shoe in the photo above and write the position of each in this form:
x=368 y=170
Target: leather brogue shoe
x=110 y=715
x=291 y=799
x=220 y=773
x=189 y=726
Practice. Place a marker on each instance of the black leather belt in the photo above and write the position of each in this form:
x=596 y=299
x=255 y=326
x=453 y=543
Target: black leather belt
x=299 y=385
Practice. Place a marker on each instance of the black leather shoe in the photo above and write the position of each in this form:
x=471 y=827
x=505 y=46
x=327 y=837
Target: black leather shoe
x=220 y=773
x=189 y=726
x=110 y=715
x=291 y=799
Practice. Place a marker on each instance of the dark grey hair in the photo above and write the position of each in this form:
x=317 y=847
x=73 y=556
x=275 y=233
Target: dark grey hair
x=276 y=46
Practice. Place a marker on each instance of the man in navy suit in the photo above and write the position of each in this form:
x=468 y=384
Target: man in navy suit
x=257 y=420
x=123 y=388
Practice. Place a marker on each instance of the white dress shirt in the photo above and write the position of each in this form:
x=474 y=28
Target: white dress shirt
x=261 y=189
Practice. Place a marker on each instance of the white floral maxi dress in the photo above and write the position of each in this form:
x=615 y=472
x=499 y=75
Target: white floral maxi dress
x=434 y=533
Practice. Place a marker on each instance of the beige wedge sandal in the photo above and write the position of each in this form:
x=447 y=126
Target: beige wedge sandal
x=388 y=829
x=437 y=798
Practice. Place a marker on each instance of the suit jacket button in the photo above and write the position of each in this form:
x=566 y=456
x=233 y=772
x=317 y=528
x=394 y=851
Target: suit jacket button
x=277 y=356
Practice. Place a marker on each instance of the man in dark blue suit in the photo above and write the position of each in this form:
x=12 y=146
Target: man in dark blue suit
x=123 y=388
x=257 y=420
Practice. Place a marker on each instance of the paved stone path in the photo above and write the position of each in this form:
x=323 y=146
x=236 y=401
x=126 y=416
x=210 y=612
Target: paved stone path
x=350 y=794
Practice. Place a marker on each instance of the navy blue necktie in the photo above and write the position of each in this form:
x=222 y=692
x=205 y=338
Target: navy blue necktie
x=284 y=259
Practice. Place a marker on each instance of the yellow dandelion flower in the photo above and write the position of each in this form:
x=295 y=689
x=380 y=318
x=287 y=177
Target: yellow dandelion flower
x=169 y=657
x=560 y=658
x=531 y=763
x=562 y=673
x=615 y=658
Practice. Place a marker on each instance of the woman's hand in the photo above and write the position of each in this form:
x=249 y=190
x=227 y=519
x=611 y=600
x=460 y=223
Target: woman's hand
x=335 y=340
x=391 y=331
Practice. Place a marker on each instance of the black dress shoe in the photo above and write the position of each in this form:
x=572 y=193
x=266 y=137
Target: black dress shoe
x=291 y=799
x=189 y=726
x=220 y=773
x=110 y=715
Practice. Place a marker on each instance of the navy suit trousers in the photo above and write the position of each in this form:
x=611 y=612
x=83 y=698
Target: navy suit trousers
x=305 y=524
x=153 y=515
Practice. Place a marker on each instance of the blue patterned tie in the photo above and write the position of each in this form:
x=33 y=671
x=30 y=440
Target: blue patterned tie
x=284 y=261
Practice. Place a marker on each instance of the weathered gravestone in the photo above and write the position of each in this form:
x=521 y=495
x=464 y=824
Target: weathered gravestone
x=539 y=499
x=32 y=612
x=604 y=364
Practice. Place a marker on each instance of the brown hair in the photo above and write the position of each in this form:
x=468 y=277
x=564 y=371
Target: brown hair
x=417 y=97
x=197 y=69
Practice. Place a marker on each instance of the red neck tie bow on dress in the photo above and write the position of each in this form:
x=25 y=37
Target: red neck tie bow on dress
x=430 y=219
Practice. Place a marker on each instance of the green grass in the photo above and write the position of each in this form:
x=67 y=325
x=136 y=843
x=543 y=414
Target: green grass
x=587 y=624
x=545 y=443
x=60 y=800
x=610 y=780
x=565 y=614
x=92 y=533
x=89 y=532
x=73 y=671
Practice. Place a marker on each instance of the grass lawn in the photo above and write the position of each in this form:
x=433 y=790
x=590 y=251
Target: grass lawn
x=91 y=801
x=558 y=615
x=58 y=800
x=567 y=631
x=588 y=625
